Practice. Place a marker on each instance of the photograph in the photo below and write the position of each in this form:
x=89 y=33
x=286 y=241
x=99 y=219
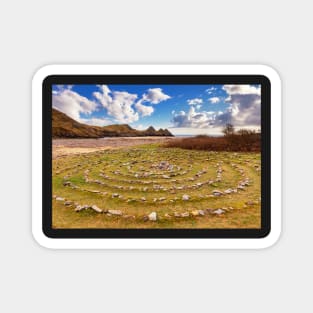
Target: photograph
x=156 y=156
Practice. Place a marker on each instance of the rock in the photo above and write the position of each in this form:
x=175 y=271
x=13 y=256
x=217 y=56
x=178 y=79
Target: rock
x=145 y=218
x=162 y=199
x=185 y=197
x=95 y=208
x=152 y=216
x=59 y=199
x=201 y=212
x=167 y=215
x=67 y=183
x=176 y=214
x=195 y=213
x=68 y=203
x=81 y=207
x=185 y=214
x=115 y=195
x=129 y=217
x=218 y=211
x=143 y=199
x=217 y=193
x=115 y=212
x=228 y=191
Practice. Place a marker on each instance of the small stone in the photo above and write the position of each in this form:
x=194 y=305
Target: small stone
x=201 y=212
x=162 y=199
x=185 y=197
x=152 y=216
x=218 y=211
x=80 y=208
x=68 y=203
x=217 y=193
x=228 y=191
x=167 y=215
x=115 y=195
x=145 y=218
x=176 y=214
x=95 y=208
x=143 y=199
x=195 y=213
x=59 y=199
x=185 y=214
x=129 y=217
x=67 y=183
x=115 y=212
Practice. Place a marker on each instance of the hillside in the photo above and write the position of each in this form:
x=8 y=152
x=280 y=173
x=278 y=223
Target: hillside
x=65 y=127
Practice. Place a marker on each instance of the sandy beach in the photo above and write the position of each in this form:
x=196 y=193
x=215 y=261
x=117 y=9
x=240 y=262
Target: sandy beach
x=62 y=147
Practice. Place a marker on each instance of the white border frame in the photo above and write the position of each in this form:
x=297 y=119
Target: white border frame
x=242 y=243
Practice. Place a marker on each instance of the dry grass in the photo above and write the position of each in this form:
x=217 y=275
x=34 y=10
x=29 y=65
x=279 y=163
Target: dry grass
x=72 y=168
x=250 y=142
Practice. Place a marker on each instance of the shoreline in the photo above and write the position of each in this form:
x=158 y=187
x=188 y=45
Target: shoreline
x=67 y=146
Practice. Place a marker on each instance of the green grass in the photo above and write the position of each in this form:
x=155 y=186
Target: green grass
x=124 y=171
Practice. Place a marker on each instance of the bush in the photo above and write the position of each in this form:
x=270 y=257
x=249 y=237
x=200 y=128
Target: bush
x=242 y=140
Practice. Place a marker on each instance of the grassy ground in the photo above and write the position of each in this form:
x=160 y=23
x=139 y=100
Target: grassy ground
x=151 y=178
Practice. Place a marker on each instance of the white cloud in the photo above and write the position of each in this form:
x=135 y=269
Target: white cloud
x=242 y=90
x=210 y=90
x=214 y=99
x=195 y=101
x=144 y=110
x=118 y=104
x=244 y=106
x=122 y=106
x=155 y=96
x=71 y=103
x=194 y=119
x=244 y=111
x=198 y=106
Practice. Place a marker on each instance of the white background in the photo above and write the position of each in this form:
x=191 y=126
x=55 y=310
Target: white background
x=35 y=33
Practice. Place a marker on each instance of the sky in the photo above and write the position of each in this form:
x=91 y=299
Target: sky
x=182 y=109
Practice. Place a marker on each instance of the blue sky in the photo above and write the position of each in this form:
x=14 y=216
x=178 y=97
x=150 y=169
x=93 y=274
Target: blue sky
x=183 y=109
